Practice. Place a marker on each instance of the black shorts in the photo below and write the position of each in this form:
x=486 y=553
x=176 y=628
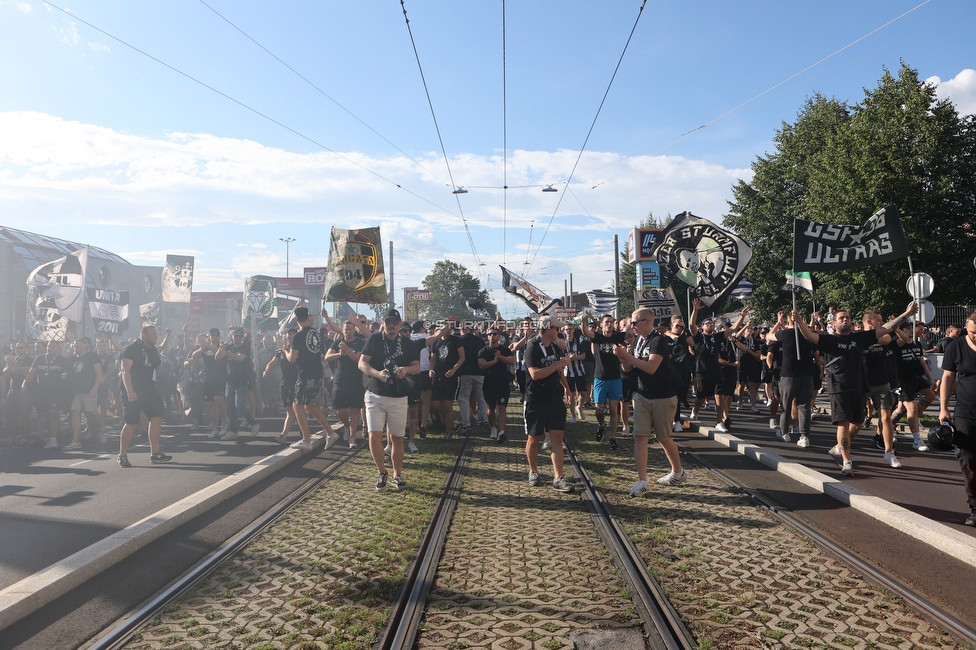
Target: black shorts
x=425 y=381
x=444 y=389
x=415 y=394
x=149 y=403
x=749 y=374
x=547 y=416
x=287 y=394
x=728 y=383
x=578 y=384
x=847 y=407
x=497 y=394
x=348 y=395
x=307 y=391
x=213 y=387
x=705 y=385
x=629 y=386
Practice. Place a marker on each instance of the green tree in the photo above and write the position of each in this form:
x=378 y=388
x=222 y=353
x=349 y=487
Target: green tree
x=451 y=286
x=840 y=164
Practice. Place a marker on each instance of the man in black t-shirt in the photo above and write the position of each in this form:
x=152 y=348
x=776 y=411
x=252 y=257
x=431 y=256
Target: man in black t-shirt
x=140 y=361
x=347 y=383
x=497 y=361
x=84 y=378
x=446 y=357
x=544 y=409
x=240 y=378
x=306 y=353
x=959 y=375
x=845 y=350
x=387 y=360
x=46 y=381
x=795 y=378
x=471 y=379
x=214 y=383
x=607 y=381
x=288 y=380
x=656 y=398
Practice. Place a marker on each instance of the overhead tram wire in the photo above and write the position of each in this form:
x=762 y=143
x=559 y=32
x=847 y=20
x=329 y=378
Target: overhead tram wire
x=437 y=128
x=640 y=12
x=267 y=117
x=753 y=101
x=504 y=136
x=320 y=91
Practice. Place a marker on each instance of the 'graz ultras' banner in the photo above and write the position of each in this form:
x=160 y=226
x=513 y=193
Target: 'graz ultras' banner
x=260 y=299
x=177 y=280
x=829 y=247
x=703 y=256
x=355 y=272
x=109 y=310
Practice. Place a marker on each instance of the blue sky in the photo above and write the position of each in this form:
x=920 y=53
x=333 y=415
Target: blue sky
x=101 y=144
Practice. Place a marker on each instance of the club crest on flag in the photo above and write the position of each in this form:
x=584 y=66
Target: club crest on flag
x=355 y=269
x=703 y=256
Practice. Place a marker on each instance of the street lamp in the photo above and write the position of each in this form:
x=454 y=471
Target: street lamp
x=287 y=240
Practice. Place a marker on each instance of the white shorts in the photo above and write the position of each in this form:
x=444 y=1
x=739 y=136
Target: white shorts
x=84 y=402
x=382 y=411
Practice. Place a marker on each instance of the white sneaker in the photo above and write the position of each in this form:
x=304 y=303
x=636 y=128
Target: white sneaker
x=301 y=444
x=918 y=445
x=720 y=426
x=693 y=415
x=73 y=445
x=387 y=449
x=345 y=434
x=546 y=445
x=891 y=459
x=835 y=452
x=625 y=432
x=52 y=443
x=282 y=440
x=803 y=442
x=785 y=437
x=224 y=429
x=671 y=478
x=772 y=423
x=582 y=416
x=213 y=435
x=572 y=419
x=331 y=439
x=847 y=469
x=255 y=429
x=639 y=489
x=493 y=434
x=412 y=447
x=677 y=427
x=353 y=444
x=229 y=435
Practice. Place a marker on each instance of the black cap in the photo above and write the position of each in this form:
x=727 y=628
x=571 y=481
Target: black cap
x=393 y=313
x=214 y=331
x=418 y=326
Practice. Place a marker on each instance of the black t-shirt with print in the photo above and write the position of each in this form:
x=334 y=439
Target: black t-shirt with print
x=240 y=373
x=849 y=377
x=547 y=389
x=82 y=372
x=308 y=342
x=790 y=366
x=382 y=351
x=961 y=359
x=501 y=372
x=145 y=360
x=444 y=354
x=607 y=363
x=707 y=348
x=289 y=371
x=347 y=370
x=661 y=384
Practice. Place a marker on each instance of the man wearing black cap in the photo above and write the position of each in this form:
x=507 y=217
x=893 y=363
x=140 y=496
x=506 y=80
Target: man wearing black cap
x=306 y=353
x=214 y=383
x=387 y=359
x=544 y=409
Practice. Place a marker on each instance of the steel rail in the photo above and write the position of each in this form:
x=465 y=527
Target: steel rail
x=662 y=623
x=410 y=603
x=930 y=610
x=127 y=626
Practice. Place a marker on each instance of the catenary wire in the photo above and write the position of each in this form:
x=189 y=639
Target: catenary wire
x=320 y=91
x=542 y=239
x=247 y=107
x=504 y=136
x=447 y=162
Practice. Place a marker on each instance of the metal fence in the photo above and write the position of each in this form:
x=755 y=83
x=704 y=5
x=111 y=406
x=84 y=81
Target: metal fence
x=946 y=315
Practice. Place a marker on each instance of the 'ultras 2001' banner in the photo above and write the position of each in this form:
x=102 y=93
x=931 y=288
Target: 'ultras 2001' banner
x=829 y=247
x=355 y=271
x=703 y=256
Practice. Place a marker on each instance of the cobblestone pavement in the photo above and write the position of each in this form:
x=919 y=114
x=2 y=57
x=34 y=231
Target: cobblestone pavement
x=739 y=578
x=523 y=566
x=323 y=576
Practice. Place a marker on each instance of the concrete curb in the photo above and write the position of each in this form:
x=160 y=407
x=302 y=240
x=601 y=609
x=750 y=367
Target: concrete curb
x=24 y=597
x=939 y=536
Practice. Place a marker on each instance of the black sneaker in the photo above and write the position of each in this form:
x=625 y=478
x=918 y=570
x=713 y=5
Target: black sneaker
x=613 y=444
x=728 y=423
x=159 y=458
x=399 y=483
x=502 y=437
x=599 y=434
x=463 y=431
x=879 y=441
x=381 y=481
x=124 y=461
x=422 y=432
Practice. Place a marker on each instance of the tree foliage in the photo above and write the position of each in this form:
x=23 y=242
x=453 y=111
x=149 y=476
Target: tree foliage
x=451 y=286
x=840 y=164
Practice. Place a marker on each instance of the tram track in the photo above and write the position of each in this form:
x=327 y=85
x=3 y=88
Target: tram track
x=923 y=605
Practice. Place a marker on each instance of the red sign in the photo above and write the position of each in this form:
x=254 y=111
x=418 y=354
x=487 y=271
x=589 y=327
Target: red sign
x=197 y=306
x=419 y=295
x=315 y=275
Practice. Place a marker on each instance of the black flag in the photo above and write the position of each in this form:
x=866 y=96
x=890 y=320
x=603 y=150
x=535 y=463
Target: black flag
x=829 y=247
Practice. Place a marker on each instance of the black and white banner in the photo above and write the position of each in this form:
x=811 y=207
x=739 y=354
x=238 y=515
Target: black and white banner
x=703 y=256
x=661 y=302
x=829 y=247
x=177 y=279
x=109 y=310
x=602 y=302
x=537 y=300
x=149 y=313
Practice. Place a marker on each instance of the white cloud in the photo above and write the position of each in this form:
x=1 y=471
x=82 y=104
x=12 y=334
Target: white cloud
x=25 y=7
x=961 y=90
x=150 y=258
x=69 y=35
x=98 y=47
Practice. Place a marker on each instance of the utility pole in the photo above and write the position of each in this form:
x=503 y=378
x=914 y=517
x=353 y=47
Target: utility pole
x=616 y=274
x=288 y=241
x=392 y=286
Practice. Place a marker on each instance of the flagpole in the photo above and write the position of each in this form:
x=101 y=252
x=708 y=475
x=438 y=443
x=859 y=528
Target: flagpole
x=915 y=298
x=796 y=328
